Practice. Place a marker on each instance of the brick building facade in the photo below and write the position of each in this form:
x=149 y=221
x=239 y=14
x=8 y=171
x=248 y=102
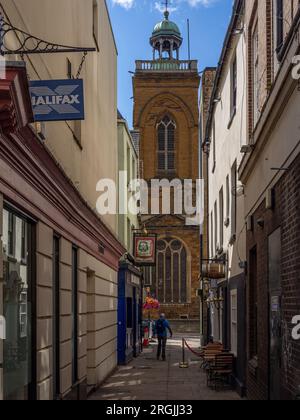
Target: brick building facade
x=166 y=115
x=270 y=172
x=266 y=271
x=283 y=219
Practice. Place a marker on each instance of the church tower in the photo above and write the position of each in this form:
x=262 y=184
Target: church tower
x=166 y=115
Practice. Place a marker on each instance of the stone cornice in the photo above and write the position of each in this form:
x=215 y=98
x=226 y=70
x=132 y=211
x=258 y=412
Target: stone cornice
x=15 y=104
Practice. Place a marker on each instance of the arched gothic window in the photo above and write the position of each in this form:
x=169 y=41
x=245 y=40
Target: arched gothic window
x=170 y=280
x=166 y=145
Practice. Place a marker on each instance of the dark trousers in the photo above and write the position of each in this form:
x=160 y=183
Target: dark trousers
x=161 y=350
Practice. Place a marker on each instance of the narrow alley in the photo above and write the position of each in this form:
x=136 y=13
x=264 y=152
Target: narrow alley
x=145 y=378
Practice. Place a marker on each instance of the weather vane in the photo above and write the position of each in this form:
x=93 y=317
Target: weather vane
x=166 y=4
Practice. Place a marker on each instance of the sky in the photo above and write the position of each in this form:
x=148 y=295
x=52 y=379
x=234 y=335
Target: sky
x=134 y=20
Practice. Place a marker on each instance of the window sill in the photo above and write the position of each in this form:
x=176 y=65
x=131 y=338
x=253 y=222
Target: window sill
x=166 y=175
x=233 y=114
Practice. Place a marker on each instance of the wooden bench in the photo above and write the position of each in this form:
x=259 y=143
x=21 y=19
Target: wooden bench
x=220 y=370
x=209 y=353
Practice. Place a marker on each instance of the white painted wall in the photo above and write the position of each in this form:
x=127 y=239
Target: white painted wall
x=70 y=22
x=128 y=162
x=229 y=140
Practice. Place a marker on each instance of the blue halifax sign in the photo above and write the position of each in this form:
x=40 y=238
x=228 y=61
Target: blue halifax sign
x=57 y=100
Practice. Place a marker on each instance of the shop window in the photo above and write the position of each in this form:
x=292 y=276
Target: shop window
x=18 y=306
x=56 y=317
x=74 y=315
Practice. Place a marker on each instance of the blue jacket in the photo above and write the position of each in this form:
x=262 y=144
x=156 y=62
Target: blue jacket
x=166 y=327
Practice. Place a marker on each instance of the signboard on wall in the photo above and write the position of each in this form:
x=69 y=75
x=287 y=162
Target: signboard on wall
x=145 y=250
x=57 y=100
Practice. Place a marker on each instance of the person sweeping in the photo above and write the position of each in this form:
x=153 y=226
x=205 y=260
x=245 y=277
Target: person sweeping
x=162 y=326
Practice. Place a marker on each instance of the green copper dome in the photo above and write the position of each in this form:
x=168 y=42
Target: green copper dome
x=166 y=27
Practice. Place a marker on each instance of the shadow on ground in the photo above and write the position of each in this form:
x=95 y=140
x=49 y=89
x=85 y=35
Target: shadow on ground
x=145 y=378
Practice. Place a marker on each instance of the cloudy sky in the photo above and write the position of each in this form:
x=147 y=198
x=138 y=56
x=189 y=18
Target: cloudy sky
x=133 y=22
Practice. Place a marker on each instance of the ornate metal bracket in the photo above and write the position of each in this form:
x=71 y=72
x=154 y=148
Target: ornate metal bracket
x=29 y=44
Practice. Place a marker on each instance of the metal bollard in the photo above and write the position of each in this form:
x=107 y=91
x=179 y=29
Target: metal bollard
x=183 y=364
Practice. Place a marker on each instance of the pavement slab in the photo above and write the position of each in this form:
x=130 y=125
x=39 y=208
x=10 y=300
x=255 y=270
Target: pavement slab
x=146 y=379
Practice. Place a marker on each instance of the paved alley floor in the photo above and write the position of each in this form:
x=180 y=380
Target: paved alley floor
x=145 y=378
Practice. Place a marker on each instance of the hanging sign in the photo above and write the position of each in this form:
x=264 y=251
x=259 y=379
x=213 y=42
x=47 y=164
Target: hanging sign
x=57 y=100
x=214 y=271
x=145 y=249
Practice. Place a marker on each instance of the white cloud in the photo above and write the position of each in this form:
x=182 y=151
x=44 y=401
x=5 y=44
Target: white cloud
x=161 y=8
x=127 y=4
x=174 y=5
x=194 y=3
x=158 y=5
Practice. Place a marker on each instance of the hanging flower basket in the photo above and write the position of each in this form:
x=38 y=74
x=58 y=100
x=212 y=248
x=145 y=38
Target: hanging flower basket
x=151 y=307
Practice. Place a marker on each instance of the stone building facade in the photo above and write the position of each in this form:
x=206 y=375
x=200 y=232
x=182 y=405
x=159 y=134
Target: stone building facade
x=166 y=116
x=59 y=259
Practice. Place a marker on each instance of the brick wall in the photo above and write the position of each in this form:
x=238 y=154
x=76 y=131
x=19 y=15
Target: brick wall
x=261 y=13
x=289 y=193
x=287 y=216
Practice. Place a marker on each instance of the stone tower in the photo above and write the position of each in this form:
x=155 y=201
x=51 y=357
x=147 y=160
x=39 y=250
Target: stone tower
x=166 y=114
